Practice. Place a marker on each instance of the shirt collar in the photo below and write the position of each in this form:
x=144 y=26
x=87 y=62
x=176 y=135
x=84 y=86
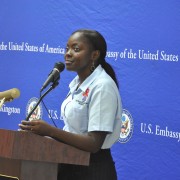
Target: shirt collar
x=89 y=80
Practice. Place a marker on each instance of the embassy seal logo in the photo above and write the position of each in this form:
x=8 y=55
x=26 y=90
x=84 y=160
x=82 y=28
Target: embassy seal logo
x=126 y=127
x=37 y=114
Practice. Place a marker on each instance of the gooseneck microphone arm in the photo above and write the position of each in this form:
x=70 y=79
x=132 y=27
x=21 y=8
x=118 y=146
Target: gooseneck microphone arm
x=41 y=98
x=53 y=78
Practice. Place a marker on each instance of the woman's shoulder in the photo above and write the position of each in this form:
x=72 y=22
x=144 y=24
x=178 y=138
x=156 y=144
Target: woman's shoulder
x=104 y=82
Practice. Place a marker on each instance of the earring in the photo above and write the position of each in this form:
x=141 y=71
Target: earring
x=92 y=67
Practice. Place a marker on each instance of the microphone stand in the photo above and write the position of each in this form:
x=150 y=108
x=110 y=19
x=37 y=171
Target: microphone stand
x=51 y=88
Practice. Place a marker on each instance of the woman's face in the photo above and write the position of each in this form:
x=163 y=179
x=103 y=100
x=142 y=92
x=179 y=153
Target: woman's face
x=79 y=54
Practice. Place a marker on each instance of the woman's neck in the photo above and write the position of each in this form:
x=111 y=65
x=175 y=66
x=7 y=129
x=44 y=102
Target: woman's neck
x=83 y=76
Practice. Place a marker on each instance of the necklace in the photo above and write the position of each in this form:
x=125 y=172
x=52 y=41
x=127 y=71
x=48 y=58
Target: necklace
x=78 y=86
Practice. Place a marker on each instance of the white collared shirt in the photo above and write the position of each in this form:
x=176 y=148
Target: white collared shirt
x=94 y=106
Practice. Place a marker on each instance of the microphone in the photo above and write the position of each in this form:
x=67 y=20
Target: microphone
x=54 y=75
x=10 y=94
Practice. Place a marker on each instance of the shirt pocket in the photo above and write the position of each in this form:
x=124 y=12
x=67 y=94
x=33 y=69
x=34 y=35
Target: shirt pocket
x=80 y=115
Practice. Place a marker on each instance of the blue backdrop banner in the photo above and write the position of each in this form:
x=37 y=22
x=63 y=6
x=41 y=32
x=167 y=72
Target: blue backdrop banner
x=143 y=47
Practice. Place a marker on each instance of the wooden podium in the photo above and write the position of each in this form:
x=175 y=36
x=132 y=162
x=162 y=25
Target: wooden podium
x=28 y=156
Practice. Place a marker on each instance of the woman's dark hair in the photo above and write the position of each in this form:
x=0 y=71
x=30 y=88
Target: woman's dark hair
x=98 y=43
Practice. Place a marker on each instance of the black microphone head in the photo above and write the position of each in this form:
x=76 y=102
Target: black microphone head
x=60 y=66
